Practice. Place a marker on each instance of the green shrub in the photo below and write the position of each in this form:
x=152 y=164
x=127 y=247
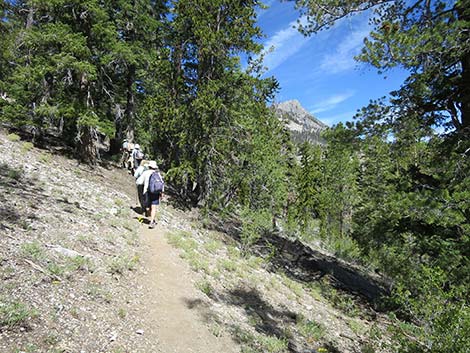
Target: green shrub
x=345 y=247
x=26 y=147
x=196 y=261
x=13 y=137
x=272 y=344
x=310 y=329
x=255 y=224
x=32 y=250
x=343 y=302
x=79 y=263
x=205 y=287
x=15 y=174
x=122 y=313
x=45 y=158
x=56 y=269
x=213 y=246
x=227 y=265
x=15 y=313
x=120 y=264
x=441 y=311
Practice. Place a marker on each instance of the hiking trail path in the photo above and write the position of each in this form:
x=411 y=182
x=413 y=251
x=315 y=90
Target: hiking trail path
x=171 y=307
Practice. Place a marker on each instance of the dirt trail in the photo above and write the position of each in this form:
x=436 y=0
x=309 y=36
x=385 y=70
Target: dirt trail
x=171 y=305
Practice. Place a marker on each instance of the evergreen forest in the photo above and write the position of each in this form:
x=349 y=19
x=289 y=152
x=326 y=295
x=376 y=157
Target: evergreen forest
x=389 y=190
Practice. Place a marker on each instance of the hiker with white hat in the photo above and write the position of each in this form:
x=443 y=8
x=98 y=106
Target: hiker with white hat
x=137 y=156
x=153 y=190
x=125 y=153
x=139 y=181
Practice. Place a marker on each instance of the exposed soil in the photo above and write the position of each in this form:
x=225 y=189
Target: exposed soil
x=170 y=300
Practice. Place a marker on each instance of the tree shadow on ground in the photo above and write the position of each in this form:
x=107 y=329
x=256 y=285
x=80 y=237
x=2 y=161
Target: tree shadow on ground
x=302 y=263
x=263 y=316
x=177 y=199
x=14 y=186
x=14 y=182
x=269 y=321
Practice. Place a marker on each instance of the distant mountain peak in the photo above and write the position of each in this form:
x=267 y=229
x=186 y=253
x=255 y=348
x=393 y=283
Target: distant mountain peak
x=292 y=105
x=303 y=125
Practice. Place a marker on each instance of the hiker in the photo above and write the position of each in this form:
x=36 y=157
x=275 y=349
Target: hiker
x=139 y=181
x=153 y=190
x=125 y=153
x=137 y=157
x=129 y=161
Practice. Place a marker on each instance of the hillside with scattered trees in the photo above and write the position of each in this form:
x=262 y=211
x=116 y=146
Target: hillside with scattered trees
x=388 y=191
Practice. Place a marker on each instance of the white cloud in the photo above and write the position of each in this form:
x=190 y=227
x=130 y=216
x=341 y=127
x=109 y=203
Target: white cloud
x=283 y=44
x=331 y=102
x=342 y=59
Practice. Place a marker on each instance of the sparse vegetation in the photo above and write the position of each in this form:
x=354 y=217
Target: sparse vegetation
x=259 y=343
x=196 y=261
x=213 y=246
x=122 y=313
x=15 y=174
x=182 y=240
x=33 y=250
x=119 y=265
x=80 y=263
x=45 y=158
x=26 y=147
x=119 y=202
x=294 y=286
x=56 y=269
x=216 y=329
x=227 y=265
x=205 y=287
x=357 y=327
x=313 y=331
x=271 y=344
x=46 y=215
x=13 y=137
x=14 y=313
x=342 y=301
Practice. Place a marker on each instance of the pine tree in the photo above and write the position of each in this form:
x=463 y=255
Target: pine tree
x=212 y=92
x=410 y=216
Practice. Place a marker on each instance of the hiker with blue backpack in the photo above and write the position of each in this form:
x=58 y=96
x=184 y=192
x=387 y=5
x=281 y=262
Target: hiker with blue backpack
x=153 y=189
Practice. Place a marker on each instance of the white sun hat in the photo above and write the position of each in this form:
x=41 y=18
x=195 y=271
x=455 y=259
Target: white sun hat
x=153 y=165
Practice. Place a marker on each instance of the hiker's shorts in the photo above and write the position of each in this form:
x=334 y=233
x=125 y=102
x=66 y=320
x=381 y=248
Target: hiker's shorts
x=153 y=199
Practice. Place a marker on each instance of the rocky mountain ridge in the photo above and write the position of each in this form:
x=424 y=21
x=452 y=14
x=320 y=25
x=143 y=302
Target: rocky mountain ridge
x=302 y=125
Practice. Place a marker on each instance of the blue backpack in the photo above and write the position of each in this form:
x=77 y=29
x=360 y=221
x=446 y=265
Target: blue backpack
x=139 y=154
x=155 y=183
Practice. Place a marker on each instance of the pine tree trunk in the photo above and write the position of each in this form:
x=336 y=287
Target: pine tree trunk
x=130 y=105
x=87 y=144
x=464 y=15
x=30 y=18
x=465 y=94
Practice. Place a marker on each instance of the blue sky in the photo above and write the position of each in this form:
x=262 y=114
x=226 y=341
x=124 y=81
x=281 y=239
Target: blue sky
x=319 y=71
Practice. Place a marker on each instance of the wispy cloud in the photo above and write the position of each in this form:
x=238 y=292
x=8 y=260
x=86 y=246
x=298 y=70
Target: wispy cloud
x=342 y=59
x=283 y=44
x=331 y=102
x=335 y=119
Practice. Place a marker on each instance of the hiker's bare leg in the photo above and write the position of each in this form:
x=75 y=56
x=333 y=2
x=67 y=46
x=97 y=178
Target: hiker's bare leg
x=153 y=212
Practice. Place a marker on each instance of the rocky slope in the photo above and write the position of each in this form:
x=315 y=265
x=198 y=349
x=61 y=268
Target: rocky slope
x=69 y=254
x=302 y=125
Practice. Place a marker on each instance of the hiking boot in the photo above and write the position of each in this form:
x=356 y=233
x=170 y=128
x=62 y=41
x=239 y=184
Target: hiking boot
x=152 y=225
